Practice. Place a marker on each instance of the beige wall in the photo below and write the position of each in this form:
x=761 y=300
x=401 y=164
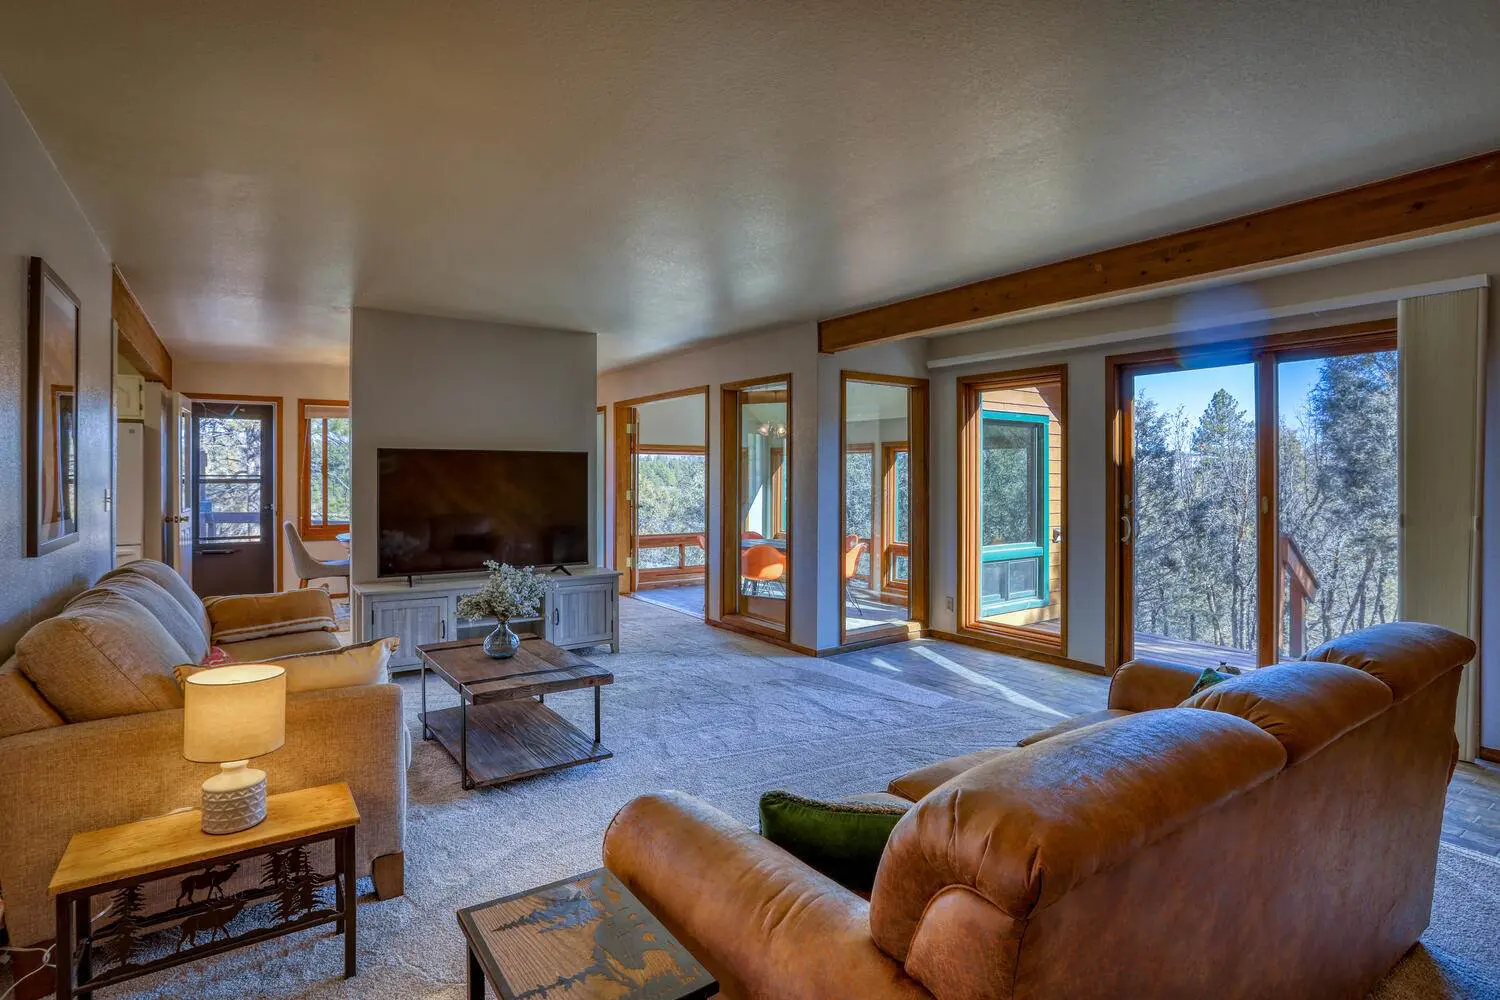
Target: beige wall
x=428 y=382
x=291 y=382
x=41 y=218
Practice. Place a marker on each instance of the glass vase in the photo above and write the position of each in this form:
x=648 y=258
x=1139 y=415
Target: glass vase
x=502 y=643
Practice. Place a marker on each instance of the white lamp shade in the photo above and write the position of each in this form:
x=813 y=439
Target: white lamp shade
x=233 y=713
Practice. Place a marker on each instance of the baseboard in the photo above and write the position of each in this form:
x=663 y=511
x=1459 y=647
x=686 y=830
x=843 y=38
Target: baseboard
x=764 y=635
x=889 y=639
x=1485 y=753
x=1024 y=652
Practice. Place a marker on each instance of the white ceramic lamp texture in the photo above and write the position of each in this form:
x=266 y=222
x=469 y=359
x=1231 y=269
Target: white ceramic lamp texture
x=231 y=714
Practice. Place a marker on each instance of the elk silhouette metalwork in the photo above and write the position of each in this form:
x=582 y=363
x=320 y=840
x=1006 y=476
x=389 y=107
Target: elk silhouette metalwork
x=214 y=921
x=212 y=879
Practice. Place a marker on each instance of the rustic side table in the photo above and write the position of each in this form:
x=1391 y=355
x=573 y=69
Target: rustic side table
x=124 y=861
x=584 y=937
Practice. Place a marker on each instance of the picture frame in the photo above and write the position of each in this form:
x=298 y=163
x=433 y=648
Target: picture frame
x=53 y=336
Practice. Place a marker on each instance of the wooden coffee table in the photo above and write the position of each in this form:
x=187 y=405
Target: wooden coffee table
x=584 y=938
x=501 y=730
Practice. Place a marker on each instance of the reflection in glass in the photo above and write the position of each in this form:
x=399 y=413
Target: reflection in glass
x=876 y=557
x=764 y=479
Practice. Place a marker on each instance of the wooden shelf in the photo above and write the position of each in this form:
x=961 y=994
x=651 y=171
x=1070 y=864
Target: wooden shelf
x=510 y=740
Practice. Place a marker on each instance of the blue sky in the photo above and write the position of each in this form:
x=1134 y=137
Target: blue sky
x=1192 y=389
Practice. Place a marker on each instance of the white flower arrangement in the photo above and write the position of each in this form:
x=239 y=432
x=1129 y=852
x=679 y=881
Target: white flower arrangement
x=510 y=593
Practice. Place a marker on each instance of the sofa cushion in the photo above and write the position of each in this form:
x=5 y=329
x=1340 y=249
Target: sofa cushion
x=1306 y=706
x=915 y=784
x=104 y=655
x=1405 y=655
x=22 y=708
x=272 y=646
x=255 y=616
x=346 y=666
x=1077 y=722
x=169 y=580
x=165 y=608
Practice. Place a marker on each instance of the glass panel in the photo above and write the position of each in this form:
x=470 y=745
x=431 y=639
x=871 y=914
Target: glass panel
x=876 y=501
x=229 y=510
x=1020 y=506
x=764 y=488
x=229 y=447
x=1195 y=499
x=315 y=469
x=1338 y=496
x=340 y=464
x=669 y=494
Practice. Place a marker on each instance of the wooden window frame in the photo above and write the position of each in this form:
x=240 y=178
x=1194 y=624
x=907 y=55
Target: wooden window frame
x=917 y=423
x=1265 y=353
x=731 y=612
x=1010 y=638
x=313 y=532
x=888 y=544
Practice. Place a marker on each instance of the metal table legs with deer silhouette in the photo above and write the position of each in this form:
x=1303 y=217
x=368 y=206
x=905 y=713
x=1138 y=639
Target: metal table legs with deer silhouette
x=200 y=913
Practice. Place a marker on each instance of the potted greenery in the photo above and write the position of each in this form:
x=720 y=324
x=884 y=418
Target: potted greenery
x=511 y=593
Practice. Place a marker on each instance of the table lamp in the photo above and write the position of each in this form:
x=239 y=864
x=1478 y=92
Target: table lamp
x=231 y=714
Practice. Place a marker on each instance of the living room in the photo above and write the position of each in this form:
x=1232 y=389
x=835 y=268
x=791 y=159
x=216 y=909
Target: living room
x=960 y=472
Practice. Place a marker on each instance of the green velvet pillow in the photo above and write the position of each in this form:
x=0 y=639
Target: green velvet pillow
x=843 y=840
x=1207 y=679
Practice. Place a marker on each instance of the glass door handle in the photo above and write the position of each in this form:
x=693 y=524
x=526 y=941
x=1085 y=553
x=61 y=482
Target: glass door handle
x=1127 y=533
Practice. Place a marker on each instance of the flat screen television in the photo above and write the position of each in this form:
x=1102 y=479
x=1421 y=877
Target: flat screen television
x=447 y=511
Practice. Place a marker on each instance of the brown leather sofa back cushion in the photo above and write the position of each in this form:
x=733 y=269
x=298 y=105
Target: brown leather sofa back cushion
x=1406 y=655
x=1305 y=706
x=1023 y=829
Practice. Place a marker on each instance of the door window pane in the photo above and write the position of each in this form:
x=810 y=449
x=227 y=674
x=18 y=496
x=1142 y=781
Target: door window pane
x=229 y=447
x=229 y=510
x=764 y=482
x=1338 y=498
x=1194 y=511
x=874 y=557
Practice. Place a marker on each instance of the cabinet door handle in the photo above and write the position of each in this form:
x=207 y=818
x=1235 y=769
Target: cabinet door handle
x=556 y=617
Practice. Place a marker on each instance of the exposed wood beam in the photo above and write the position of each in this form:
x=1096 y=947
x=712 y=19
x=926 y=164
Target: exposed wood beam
x=1439 y=199
x=138 y=340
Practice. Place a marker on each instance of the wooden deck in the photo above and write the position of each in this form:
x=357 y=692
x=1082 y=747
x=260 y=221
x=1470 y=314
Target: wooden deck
x=1192 y=654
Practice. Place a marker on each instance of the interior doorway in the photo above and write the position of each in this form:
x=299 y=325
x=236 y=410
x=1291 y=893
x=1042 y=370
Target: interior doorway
x=1257 y=496
x=233 y=487
x=662 y=499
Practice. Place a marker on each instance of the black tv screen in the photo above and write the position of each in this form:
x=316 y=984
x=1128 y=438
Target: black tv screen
x=444 y=511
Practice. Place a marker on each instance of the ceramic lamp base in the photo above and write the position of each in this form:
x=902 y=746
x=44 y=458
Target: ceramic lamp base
x=234 y=799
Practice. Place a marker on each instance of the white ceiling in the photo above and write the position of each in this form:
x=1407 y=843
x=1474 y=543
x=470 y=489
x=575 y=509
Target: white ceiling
x=670 y=171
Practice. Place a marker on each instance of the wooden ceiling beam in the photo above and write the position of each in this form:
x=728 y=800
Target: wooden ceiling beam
x=138 y=340
x=1452 y=196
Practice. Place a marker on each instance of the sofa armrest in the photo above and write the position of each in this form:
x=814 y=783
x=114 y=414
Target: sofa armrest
x=1142 y=685
x=762 y=922
x=67 y=779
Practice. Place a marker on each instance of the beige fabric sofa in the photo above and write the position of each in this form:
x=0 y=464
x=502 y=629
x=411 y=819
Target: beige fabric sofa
x=91 y=734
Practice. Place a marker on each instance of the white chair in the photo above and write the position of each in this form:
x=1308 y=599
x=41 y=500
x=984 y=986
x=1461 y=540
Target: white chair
x=309 y=566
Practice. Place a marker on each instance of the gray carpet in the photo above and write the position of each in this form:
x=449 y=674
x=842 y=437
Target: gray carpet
x=723 y=717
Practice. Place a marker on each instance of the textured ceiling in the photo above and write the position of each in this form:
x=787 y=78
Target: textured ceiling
x=670 y=171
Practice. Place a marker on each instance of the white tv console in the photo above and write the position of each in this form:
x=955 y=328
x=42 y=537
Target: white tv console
x=579 y=610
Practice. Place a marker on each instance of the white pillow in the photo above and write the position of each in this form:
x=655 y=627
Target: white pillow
x=321 y=670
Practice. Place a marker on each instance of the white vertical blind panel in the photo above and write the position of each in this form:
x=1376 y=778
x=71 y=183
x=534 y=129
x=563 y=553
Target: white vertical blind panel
x=1441 y=339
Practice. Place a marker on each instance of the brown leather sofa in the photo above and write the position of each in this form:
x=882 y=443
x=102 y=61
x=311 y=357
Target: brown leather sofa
x=1273 y=836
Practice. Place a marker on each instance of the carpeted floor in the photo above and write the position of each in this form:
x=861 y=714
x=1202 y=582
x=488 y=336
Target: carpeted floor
x=723 y=717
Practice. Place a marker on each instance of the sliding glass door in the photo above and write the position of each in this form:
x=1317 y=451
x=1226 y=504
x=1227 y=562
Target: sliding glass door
x=1256 y=496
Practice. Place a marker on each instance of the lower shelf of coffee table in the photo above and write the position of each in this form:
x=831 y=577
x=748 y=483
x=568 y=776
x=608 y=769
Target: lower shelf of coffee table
x=509 y=740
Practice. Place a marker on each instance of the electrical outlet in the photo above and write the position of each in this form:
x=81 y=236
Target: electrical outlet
x=948 y=601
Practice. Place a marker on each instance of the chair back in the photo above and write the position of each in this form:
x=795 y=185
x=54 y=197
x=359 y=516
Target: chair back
x=762 y=562
x=306 y=564
x=851 y=559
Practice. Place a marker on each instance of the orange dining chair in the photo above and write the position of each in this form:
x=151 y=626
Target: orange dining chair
x=762 y=564
x=855 y=549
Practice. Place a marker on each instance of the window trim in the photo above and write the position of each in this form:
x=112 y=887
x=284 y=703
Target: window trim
x=308 y=530
x=888 y=542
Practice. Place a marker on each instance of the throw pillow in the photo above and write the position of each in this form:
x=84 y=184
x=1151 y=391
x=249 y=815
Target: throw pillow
x=257 y=616
x=1207 y=679
x=348 y=666
x=843 y=840
x=217 y=657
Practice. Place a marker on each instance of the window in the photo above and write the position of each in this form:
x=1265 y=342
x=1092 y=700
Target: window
x=756 y=501
x=670 y=487
x=325 y=445
x=1012 y=485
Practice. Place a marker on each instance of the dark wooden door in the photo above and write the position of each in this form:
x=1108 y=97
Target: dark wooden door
x=234 y=498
